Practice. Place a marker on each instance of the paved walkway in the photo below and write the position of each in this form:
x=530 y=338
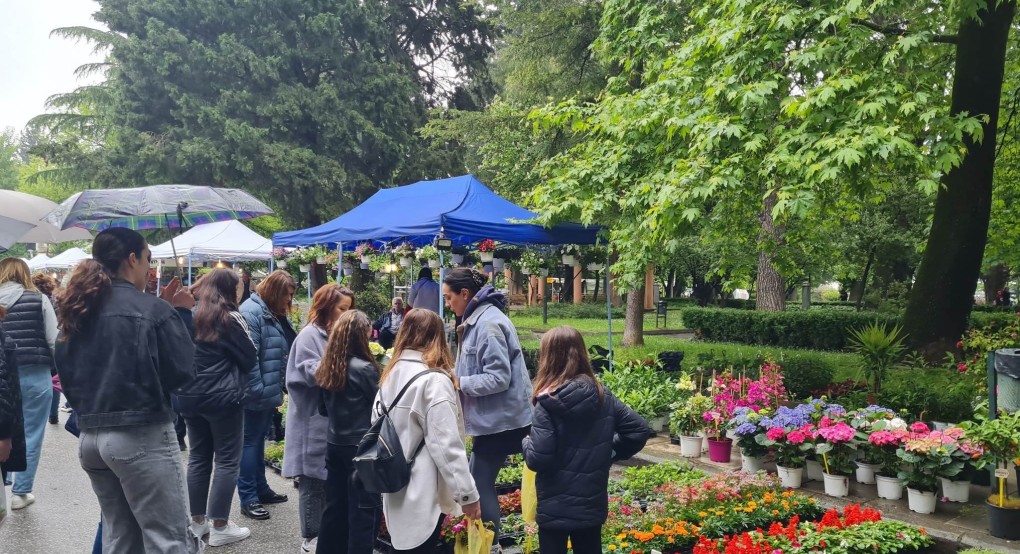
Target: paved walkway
x=64 y=516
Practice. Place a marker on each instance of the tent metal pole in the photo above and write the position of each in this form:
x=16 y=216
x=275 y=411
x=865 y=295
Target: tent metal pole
x=442 y=271
x=340 y=262
x=609 y=310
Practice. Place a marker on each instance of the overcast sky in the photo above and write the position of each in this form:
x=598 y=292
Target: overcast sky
x=34 y=66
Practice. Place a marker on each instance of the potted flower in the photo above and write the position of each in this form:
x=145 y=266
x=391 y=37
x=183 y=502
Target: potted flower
x=429 y=254
x=837 y=447
x=686 y=421
x=403 y=252
x=870 y=456
x=924 y=458
x=486 y=249
x=568 y=256
x=364 y=251
x=790 y=435
x=956 y=483
x=885 y=439
x=745 y=426
x=1000 y=441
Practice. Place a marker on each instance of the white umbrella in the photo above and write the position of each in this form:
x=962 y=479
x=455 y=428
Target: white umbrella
x=21 y=217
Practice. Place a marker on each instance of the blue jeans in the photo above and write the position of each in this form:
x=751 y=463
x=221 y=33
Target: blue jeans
x=251 y=481
x=36 y=396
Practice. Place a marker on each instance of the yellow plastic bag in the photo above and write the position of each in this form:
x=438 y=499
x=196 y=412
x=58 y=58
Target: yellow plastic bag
x=529 y=496
x=478 y=540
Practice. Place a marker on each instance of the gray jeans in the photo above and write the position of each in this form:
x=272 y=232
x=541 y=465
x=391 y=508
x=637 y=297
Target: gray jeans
x=138 y=477
x=216 y=434
x=311 y=498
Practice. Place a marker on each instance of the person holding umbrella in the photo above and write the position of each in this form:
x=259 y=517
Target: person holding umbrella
x=120 y=355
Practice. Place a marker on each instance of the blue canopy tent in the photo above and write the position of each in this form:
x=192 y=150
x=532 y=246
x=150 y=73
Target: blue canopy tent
x=459 y=208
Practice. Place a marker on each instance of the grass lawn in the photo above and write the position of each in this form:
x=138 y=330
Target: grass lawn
x=593 y=325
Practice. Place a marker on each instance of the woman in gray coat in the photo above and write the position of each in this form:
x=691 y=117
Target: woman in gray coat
x=304 y=453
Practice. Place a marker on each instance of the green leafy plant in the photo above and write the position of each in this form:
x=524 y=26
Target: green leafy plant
x=427 y=252
x=881 y=348
x=687 y=417
x=642 y=481
x=999 y=437
x=512 y=473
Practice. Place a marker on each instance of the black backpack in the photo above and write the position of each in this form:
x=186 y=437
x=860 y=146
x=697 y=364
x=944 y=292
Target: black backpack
x=379 y=462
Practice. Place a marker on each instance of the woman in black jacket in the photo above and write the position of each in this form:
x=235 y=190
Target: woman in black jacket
x=12 y=429
x=211 y=405
x=579 y=430
x=349 y=378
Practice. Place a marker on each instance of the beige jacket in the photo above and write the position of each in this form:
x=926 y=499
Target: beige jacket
x=440 y=478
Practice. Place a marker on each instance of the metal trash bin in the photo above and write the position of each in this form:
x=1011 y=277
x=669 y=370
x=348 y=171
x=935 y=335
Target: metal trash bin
x=1007 y=370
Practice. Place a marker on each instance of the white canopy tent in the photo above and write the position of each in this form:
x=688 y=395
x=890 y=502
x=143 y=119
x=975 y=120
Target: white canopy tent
x=227 y=241
x=66 y=259
x=37 y=262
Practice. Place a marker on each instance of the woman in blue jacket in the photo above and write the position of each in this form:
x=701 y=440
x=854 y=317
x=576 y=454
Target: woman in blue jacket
x=269 y=327
x=495 y=389
x=211 y=405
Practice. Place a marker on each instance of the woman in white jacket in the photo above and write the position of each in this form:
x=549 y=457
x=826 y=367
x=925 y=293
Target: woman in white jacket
x=428 y=413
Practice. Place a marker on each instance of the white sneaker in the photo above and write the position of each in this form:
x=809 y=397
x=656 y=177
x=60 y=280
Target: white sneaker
x=231 y=533
x=309 y=545
x=201 y=529
x=19 y=501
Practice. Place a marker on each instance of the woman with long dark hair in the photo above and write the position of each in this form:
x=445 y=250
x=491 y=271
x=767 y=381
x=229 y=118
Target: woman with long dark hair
x=304 y=452
x=495 y=388
x=47 y=286
x=32 y=324
x=267 y=315
x=211 y=405
x=579 y=430
x=120 y=355
x=349 y=379
x=427 y=419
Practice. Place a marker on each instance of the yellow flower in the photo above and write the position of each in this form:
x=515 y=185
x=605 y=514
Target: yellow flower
x=621 y=536
x=611 y=547
x=702 y=514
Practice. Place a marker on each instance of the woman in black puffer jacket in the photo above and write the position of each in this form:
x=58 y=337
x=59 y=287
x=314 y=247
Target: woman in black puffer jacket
x=579 y=430
x=12 y=429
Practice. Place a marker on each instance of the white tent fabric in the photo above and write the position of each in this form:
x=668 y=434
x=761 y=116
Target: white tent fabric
x=66 y=259
x=37 y=262
x=227 y=241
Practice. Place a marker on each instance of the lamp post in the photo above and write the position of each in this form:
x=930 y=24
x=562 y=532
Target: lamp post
x=444 y=245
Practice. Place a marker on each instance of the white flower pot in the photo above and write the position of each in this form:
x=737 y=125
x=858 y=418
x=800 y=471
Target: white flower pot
x=690 y=447
x=525 y=270
x=791 y=477
x=955 y=491
x=364 y=265
x=889 y=488
x=304 y=268
x=280 y=262
x=921 y=502
x=405 y=262
x=498 y=264
x=543 y=272
x=348 y=267
x=321 y=260
x=486 y=257
x=814 y=470
x=837 y=486
x=751 y=464
x=458 y=259
x=866 y=473
x=594 y=267
x=434 y=264
x=704 y=442
x=568 y=259
x=366 y=259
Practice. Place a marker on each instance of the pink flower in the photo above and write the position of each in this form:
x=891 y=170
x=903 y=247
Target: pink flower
x=775 y=433
x=961 y=367
x=919 y=427
x=796 y=437
x=838 y=433
x=825 y=422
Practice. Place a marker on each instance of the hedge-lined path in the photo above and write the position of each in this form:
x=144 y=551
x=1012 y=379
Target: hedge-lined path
x=953 y=525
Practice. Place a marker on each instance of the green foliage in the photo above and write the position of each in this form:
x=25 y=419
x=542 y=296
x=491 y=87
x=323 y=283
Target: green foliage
x=1000 y=438
x=587 y=310
x=512 y=472
x=274 y=452
x=642 y=481
x=933 y=394
x=642 y=387
x=688 y=416
x=830 y=296
x=816 y=329
x=881 y=348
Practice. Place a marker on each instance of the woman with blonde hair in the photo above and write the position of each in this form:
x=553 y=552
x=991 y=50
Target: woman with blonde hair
x=427 y=419
x=349 y=380
x=267 y=315
x=304 y=452
x=32 y=324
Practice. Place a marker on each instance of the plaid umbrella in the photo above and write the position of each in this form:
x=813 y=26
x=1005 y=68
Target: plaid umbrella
x=155 y=207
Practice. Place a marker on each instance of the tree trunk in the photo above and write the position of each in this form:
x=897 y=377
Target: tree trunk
x=771 y=285
x=995 y=280
x=598 y=281
x=634 y=323
x=942 y=296
x=863 y=284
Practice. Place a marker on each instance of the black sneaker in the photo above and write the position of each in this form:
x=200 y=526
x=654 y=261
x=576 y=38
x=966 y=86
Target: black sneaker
x=255 y=511
x=272 y=497
x=54 y=420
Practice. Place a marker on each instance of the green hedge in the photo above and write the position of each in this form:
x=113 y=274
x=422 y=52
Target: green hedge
x=814 y=329
x=984 y=320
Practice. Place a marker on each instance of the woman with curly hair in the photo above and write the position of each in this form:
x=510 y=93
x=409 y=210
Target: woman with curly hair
x=349 y=378
x=304 y=452
x=120 y=355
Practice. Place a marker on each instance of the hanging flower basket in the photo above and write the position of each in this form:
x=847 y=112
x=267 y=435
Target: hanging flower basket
x=568 y=259
x=305 y=268
x=486 y=257
x=434 y=264
x=321 y=260
x=525 y=270
x=486 y=250
x=364 y=265
x=405 y=262
x=595 y=267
